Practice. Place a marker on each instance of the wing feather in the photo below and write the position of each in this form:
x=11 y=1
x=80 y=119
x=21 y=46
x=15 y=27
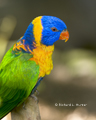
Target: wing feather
x=17 y=79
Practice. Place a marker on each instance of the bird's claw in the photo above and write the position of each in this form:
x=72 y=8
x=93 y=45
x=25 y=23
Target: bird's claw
x=37 y=92
x=35 y=98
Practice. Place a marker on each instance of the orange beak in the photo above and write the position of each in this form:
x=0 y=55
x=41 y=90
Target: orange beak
x=64 y=35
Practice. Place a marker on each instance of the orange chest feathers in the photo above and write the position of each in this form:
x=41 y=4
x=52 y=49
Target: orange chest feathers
x=42 y=55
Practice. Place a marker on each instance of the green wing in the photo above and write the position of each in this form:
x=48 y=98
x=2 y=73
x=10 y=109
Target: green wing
x=18 y=76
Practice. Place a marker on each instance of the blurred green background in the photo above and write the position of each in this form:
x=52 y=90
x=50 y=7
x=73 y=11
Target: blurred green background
x=73 y=79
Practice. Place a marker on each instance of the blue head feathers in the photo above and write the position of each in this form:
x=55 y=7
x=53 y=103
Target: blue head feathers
x=52 y=28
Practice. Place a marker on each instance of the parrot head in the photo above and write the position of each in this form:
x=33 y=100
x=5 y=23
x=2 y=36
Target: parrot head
x=46 y=30
x=53 y=30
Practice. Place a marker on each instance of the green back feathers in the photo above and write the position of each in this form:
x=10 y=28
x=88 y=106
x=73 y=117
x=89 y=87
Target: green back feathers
x=18 y=76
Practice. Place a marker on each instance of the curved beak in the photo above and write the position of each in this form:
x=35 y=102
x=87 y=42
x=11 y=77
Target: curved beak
x=64 y=35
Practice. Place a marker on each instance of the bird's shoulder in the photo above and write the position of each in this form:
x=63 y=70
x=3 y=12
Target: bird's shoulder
x=14 y=53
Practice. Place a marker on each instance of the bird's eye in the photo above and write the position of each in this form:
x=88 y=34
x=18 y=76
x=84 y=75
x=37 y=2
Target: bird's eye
x=54 y=29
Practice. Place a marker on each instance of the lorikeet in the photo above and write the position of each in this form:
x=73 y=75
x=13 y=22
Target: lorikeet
x=28 y=61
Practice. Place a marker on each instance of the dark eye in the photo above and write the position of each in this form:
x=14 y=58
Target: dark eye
x=54 y=29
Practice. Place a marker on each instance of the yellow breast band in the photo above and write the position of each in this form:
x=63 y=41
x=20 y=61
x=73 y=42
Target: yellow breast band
x=42 y=55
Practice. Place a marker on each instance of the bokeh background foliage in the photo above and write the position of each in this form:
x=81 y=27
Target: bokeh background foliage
x=73 y=79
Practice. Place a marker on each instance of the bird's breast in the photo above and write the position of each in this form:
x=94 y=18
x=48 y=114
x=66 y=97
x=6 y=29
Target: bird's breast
x=42 y=55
